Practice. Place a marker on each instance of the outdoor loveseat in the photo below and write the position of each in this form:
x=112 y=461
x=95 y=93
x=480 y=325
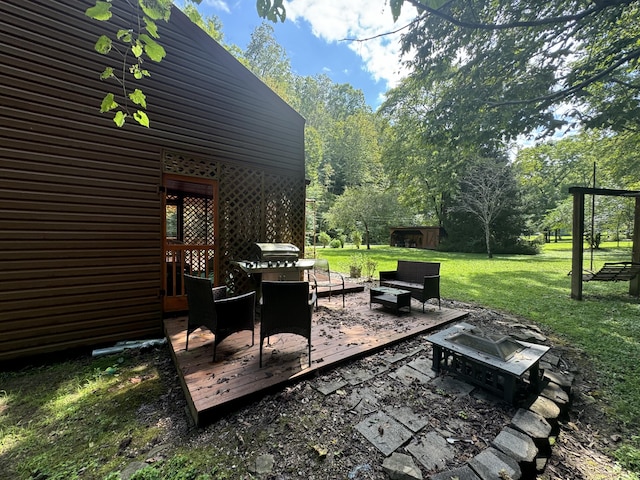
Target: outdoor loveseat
x=422 y=279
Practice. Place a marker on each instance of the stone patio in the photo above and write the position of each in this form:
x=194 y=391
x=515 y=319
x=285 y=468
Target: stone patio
x=407 y=440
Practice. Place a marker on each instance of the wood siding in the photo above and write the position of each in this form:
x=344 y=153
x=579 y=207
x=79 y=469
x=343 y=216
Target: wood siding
x=80 y=208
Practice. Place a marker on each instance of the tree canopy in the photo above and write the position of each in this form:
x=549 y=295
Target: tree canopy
x=530 y=66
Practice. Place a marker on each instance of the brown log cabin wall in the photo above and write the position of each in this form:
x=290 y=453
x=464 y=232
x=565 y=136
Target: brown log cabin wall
x=80 y=208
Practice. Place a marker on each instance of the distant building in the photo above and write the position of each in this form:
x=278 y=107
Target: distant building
x=415 y=237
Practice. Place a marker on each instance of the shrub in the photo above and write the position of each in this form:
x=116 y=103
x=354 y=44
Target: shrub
x=324 y=239
x=356 y=237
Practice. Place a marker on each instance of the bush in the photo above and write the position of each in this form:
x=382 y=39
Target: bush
x=356 y=237
x=335 y=243
x=324 y=239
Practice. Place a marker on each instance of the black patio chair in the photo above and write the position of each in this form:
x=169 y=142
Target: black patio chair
x=210 y=308
x=322 y=276
x=286 y=308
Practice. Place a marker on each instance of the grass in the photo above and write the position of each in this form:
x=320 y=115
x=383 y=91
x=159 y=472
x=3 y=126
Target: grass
x=87 y=417
x=605 y=325
x=67 y=420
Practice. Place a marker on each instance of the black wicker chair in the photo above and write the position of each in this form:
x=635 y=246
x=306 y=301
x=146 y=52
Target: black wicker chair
x=286 y=308
x=223 y=316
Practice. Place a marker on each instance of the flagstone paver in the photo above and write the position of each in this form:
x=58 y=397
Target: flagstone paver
x=423 y=365
x=385 y=433
x=408 y=418
x=355 y=377
x=432 y=451
x=396 y=357
x=408 y=375
x=327 y=388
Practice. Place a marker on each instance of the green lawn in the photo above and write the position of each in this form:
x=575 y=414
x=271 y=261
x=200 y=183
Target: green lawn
x=605 y=324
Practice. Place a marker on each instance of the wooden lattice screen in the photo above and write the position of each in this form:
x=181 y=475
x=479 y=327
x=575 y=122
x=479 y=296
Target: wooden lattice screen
x=253 y=206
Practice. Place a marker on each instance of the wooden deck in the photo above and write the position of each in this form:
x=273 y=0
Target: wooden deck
x=339 y=335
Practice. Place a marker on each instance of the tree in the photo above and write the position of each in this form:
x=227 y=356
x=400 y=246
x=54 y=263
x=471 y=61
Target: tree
x=546 y=171
x=324 y=239
x=352 y=149
x=366 y=206
x=131 y=46
x=139 y=41
x=485 y=192
x=268 y=61
x=529 y=60
x=424 y=156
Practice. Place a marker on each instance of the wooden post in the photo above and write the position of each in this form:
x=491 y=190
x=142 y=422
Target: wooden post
x=634 y=284
x=578 y=245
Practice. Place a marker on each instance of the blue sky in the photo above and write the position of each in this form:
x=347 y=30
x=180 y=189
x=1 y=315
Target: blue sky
x=313 y=39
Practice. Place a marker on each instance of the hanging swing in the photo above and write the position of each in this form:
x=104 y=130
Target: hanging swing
x=610 y=271
x=613 y=272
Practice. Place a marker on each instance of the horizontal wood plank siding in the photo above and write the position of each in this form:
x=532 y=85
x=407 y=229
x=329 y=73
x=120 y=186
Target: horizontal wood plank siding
x=80 y=208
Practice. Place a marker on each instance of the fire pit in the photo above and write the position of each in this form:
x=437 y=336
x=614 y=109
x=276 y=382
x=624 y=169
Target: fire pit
x=497 y=363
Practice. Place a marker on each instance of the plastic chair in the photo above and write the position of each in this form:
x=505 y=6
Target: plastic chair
x=210 y=308
x=286 y=308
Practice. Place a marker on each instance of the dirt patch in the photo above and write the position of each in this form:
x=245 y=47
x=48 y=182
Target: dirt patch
x=310 y=434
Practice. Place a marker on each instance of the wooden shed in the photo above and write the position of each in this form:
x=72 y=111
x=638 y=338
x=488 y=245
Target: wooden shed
x=98 y=223
x=415 y=237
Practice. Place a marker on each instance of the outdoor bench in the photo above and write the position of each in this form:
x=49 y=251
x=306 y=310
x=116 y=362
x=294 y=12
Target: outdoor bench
x=422 y=279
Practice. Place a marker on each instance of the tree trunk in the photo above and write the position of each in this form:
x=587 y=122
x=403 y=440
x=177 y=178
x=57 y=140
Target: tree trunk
x=366 y=233
x=487 y=239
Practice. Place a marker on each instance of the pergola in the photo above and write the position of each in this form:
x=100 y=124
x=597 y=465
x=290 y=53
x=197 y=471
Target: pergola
x=578 y=227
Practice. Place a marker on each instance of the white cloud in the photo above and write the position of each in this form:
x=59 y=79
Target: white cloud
x=337 y=20
x=218 y=5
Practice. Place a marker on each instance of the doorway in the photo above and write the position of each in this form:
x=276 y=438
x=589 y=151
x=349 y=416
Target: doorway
x=190 y=235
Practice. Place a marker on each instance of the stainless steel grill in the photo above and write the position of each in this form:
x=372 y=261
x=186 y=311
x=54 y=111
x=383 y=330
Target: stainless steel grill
x=275 y=261
x=276 y=253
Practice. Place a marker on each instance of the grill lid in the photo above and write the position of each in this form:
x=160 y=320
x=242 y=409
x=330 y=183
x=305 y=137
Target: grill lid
x=276 y=251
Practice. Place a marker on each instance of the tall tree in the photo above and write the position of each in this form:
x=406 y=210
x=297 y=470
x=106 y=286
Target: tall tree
x=352 y=150
x=487 y=189
x=370 y=208
x=547 y=170
x=529 y=60
x=424 y=156
x=269 y=61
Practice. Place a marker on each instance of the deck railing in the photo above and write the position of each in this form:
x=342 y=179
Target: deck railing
x=198 y=260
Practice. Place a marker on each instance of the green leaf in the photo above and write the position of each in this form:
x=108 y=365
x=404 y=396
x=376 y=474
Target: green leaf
x=125 y=35
x=141 y=118
x=103 y=45
x=107 y=73
x=263 y=7
x=396 y=7
x=119 y=118
x=138 y=98
x=156 y=9
x=435 y=4
x=151 y=27
x=137 y=49
x=100 y=11
x=135 y=71
x=276 y=11
x=153 y=49
x=108 y=103
x=138 y=72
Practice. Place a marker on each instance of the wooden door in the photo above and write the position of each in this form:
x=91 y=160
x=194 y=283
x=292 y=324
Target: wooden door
x=190 y=227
